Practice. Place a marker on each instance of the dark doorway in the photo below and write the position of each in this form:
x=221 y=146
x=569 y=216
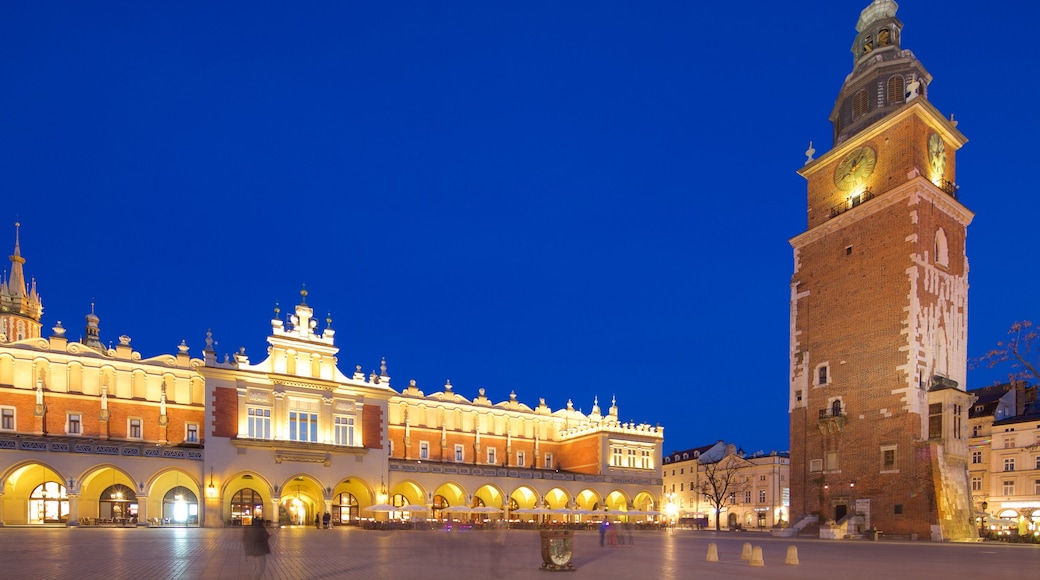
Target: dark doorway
x=840 y=511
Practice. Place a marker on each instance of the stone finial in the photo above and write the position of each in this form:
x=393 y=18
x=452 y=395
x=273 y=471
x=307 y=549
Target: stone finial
x=181 y=348
x=447 y=386
x=809 y=153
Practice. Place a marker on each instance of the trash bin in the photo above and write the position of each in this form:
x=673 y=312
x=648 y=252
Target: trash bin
x=557 y=549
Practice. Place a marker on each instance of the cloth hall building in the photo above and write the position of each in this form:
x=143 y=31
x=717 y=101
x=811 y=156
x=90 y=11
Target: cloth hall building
x=90 y=435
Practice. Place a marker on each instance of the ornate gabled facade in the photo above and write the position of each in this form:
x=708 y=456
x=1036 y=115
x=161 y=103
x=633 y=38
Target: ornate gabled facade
x=91 y=435
x=878 y=351
x=94 y=433
x=293 y=436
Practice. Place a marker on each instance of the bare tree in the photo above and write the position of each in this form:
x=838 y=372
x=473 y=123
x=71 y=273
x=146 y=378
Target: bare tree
x=723 y=480
x=1019 y=352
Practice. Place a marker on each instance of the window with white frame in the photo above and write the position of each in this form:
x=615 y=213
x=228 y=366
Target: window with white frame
x=343 y=430
x=975 y=430
x=1009 y=488
x=73 y=423
x=815 y=465
x=761 y=496
x=1009 y=464
x=303 y=420
x=191 y=432
x=548 y=461
x=1038 y=462
x=976 y=457
x=460 y=454
x=424 y=450
x=521 y=459
x=616 y=456
x=631 y=458
x=747 y=496
x=646 y=461
x=7 y=422
x=822 y=374
x=259 y=422
x=1036 y=487
x=134 y=428
x=491 y=455
x=976 y=483
x=1009 y=443
x=888 y=458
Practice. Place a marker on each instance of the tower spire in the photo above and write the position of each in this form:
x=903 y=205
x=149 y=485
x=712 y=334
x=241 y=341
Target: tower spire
x=20 y=307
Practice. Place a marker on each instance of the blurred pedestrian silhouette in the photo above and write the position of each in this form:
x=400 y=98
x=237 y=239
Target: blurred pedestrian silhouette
x=326 y=519
x=255 y=541
x=317 y=520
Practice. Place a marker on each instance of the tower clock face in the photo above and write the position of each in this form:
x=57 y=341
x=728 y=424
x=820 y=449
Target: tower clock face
x=855 y=168
x=937 y=154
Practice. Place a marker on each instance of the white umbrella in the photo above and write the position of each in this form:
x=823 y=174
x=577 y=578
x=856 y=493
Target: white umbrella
x=381 y=507
x=617 y=513
x=523 y=511
x=484 y=509
x=455 y=509
x=412 y=508
x=541 y=511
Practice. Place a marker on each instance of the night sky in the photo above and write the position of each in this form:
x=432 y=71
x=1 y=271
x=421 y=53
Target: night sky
x=565 y=199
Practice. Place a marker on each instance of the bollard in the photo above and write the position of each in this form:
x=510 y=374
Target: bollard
x=745 y=554
x=756 y=557
x=713 y=553
x=792 y=556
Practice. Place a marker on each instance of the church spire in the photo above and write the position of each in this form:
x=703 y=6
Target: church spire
x=20 y=307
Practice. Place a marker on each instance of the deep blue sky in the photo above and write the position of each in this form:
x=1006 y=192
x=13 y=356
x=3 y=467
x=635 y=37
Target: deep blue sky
x=565 y=199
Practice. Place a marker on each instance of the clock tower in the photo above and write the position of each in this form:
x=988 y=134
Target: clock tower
x=878 y=346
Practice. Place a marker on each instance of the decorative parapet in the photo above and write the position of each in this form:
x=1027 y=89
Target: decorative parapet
x=641 y=430
x=15 y=443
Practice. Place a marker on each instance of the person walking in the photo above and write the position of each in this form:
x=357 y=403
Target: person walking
x=326 y=519
x=317 y=520
x=255 y=541
x=603 y=531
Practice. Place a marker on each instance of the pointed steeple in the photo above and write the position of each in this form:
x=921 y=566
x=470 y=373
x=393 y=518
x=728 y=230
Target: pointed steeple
x=93 y=331
x=20 y=307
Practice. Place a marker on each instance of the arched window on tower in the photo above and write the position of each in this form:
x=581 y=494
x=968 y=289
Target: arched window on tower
x=884 y=37
x=895 y=90
x=942 y=249
x=859 y=104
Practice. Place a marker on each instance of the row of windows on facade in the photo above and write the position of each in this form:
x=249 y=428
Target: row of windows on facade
x=1009 y=462
x=492 y=455
x=1008 y=487
x=74 y=425
x=762 y=499
x=830 y=461
x=303 y=426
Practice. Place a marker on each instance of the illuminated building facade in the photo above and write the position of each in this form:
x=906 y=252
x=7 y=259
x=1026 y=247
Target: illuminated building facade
x=91 y=435
x=878 y=340
x=760 y=499
x=1005 y=456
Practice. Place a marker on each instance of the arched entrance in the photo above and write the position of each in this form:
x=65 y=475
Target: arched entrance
x=246 y=505
x=118 y=504
x=345 y=509
x=48 y=504
x=731 y=521
x=181 y=507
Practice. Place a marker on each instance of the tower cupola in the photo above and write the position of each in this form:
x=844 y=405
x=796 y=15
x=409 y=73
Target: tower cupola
x=20 y=306
x=884 y=75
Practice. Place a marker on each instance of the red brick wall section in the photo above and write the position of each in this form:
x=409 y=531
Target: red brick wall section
x=225 y=412
x=580 y=456
x=372 y=430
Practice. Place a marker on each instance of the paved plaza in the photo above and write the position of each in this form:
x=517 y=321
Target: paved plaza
x=158 y=553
